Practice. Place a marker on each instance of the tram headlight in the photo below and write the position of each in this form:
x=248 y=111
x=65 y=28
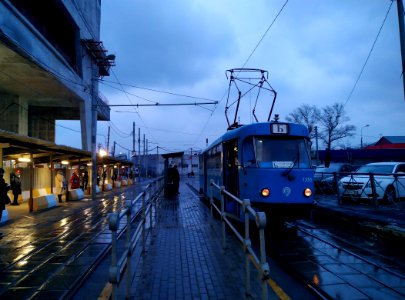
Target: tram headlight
x=265 y=192
x=307 y=192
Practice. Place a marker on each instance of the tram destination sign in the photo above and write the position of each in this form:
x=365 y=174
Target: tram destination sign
x=279 y=128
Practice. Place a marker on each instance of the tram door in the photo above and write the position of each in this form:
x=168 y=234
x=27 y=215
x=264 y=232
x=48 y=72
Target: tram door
x=231 y=177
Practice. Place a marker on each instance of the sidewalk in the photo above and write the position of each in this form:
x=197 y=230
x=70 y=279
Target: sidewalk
x=185 y=260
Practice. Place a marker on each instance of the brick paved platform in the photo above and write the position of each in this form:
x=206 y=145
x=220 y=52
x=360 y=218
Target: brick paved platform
x=184 y=258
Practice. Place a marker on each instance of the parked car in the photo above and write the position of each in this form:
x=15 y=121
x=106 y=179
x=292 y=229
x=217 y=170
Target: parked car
x=324 y=181
x=388 y=186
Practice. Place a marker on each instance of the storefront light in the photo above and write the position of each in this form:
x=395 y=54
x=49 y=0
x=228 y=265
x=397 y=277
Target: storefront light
x=102 y=152
x=24 y=159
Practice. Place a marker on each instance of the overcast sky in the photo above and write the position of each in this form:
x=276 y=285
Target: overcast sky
x=314 y=53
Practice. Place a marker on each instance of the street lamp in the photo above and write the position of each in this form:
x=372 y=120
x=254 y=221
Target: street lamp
x=361 y=135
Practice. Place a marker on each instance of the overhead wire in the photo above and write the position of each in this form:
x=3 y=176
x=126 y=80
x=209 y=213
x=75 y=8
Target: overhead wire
x=265 y=33
x=158 y=91
x=368 y=56
x=245 y=63
x=136 y=111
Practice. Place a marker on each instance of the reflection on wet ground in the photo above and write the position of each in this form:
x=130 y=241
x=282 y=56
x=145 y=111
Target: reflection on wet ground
x=338 y=266
x=45 y=255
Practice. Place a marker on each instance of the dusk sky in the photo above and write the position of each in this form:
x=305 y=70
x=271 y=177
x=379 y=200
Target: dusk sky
x=314 y=53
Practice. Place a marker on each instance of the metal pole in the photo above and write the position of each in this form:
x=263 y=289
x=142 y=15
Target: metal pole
x=400 y=8
x=139 y=154
x=133 y=138
x=316 y=143
x=157 y=161
x=94 y=103
x=247 y=243
x=108 y=141
x=147 y=158
x=143 y=221
x=128 y=246
x=223 y=217
x=144 y=157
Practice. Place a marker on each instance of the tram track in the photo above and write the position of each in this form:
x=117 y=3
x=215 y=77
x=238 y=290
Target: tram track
x=76 y=244
x=332 y=270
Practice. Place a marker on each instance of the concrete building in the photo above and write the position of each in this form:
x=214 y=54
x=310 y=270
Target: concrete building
x=50 y=59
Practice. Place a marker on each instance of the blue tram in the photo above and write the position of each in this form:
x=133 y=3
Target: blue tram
x=268 y=163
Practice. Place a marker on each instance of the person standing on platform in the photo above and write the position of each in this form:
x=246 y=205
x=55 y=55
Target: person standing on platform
x=74 y=181
x=4 y=199
x=85 y=180
x=15 y=184
x=176 y=180
x=59 y=185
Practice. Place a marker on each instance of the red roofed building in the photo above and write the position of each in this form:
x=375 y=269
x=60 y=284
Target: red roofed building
x=388 y=142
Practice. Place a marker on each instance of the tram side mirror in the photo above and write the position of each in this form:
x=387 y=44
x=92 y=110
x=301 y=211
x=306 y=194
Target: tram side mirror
x=249 y=163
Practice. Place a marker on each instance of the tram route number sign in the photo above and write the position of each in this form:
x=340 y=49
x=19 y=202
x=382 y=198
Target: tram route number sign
x=279 y=128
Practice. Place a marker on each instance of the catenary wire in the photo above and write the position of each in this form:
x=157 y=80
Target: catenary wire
x=368 y=56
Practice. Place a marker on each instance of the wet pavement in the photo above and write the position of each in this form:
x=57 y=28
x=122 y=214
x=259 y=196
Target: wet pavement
x=184 y=257
x=62 y=253
x=45 y=255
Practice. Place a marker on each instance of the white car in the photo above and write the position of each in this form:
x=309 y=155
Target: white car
x=388 y=186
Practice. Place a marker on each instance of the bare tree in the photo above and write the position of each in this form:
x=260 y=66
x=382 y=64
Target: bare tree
x=332 y=119
x=307 y=115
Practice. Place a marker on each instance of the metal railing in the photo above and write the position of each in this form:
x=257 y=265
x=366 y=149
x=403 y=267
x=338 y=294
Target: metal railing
x=260 y=218
x=369 y=187
x=148 y=201
x=376 y=190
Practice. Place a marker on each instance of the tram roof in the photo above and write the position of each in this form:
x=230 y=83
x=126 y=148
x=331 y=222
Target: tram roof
x=262 y=128
x=15 y=146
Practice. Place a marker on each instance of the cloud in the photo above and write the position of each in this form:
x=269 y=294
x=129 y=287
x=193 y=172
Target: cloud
x=314 y=53
x=166 y=45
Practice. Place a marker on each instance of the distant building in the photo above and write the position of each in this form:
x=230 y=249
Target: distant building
x=387 y=148
x=154 y=164
x=389 y=142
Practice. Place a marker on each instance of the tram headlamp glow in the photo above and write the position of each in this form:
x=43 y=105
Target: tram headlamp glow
x=307 y=192
x=265 y=192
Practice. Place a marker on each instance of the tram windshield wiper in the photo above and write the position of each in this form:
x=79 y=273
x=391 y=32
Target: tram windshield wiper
x=296 y=160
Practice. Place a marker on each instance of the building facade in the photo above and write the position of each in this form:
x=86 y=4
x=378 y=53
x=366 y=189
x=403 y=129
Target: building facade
x=50 y=59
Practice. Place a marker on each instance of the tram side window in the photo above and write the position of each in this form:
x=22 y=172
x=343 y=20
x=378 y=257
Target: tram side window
x=214 y=158
x=248 y=153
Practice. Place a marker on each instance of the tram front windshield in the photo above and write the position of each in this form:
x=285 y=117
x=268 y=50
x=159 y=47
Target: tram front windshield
x=270 y=152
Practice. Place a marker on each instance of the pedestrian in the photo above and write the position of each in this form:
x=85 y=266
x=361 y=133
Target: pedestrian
x=85 y=180
x=176 y=180
x=60 y=185
x=4 y=199
x=114 y=178
x=15 y=184
x=74 y=180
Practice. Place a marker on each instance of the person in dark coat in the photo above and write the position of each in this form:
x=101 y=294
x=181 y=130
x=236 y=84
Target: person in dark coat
x=85 y=181
x=176 y=180
x=15 y=185
x=4 y=199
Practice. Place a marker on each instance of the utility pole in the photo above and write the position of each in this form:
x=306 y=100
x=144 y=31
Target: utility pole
x=400 y=8
x=139 y=153
x=144 y=157
x=157 y=161
x=108 y=141
x=147 y=158
x=113 y=152
x=316 y=143
x=191 y=159
x=133 y=138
